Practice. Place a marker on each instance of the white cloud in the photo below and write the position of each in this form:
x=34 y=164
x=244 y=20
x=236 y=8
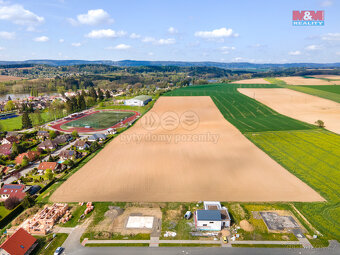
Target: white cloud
x=105 y=33
x=172 y=30
x=121 y=46
x=41 y=39
x=338 y=53
x=148 y=39
x=92 y=17
x=7 y=35
x=135 y=36
x=313 y=47
x=151 y=53
x=159 y=41
x=227 y=49
x=17 y=14
x=295 y=53
x=61 y=40
x=237 y=59
x=78 y=44
x=2 y=48
x=216 y=33
x=166 y=41
x=331 y=37
x=326 y=3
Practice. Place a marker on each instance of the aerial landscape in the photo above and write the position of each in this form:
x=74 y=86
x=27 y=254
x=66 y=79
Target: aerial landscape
x=169 y=127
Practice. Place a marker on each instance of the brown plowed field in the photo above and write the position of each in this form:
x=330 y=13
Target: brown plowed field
x=200 y=160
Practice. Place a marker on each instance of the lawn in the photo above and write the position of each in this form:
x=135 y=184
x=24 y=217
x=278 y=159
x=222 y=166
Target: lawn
x=44 y=241
x=245 y=113
x=3 y=211
x=100 y=120
x=16 y=124
x=314 y=157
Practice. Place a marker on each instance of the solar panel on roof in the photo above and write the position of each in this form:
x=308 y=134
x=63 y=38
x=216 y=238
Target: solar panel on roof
x=8 y=186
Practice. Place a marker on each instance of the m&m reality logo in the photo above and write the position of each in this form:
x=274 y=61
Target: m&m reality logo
x=308 y=18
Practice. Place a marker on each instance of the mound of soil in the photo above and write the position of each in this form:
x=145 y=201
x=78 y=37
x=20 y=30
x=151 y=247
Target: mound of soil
x=246 y=226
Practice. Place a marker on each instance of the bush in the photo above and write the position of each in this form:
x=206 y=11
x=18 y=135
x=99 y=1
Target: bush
x=11 y=203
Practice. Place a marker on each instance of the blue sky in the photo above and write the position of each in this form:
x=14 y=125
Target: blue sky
x=186 y=30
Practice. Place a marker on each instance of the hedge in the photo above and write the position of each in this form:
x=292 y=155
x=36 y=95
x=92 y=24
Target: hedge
x=13 y=214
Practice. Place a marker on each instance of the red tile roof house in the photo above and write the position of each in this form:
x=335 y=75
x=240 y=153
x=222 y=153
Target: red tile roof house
x=54 y=166
x=10 y=140
x=20 y=243
x=12 y=190
x=30 y=155
x=6 y=149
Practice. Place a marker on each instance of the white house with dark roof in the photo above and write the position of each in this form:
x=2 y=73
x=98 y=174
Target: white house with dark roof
x=214 y=217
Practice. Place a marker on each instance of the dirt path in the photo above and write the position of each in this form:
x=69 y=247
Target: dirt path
x=299 y=105
x=199 y=157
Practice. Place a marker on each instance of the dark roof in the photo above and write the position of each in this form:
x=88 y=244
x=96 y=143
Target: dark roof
x=19 y=243
x=34 y=189
x=207 y=215
x=47 y=144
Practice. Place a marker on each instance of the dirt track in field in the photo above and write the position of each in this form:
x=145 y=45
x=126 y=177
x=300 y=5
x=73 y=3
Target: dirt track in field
x=299 y=105
x=296 y=80
x=190 y=166
x=252 y=81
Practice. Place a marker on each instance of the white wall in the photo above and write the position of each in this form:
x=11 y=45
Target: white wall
x=209 y=225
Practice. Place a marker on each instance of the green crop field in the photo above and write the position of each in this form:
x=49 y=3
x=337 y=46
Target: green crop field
x=311 y=154
x=100 y=120
x=331 y=92
x=314 y=157
x=245 y=113
x=329 y=88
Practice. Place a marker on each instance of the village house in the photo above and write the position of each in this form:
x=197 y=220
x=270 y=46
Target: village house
x=96 y=137
x=62 y=139
x=20 y=243
x=4 y=169
x=43 y=134
x=30 y=155
x=12 y=190
x=81 y=145
x=6 y=149
x=68 y=154
x=10 y=140
x=214 y=217
x=48 y=145
x=54 y=166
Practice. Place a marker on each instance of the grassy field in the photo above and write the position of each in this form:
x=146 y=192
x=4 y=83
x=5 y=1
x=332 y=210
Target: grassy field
x=3 y=211
x=101 y=120
x=314 y=157
x=43 y=242
x=16 y=124
x=331 y=88
x=331 y=92
x=292 y=246
x=245 y=113
x=115 y=244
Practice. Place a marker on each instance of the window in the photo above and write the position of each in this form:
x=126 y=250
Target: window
x=204 y=225
x=211 y=222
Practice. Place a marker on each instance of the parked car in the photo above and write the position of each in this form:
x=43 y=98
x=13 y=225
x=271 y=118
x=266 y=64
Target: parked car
x=187 y=215
x=58 y=251
x=225 y=239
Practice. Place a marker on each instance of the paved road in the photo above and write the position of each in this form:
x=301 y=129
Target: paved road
x=36 y=164
x=200 y=251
